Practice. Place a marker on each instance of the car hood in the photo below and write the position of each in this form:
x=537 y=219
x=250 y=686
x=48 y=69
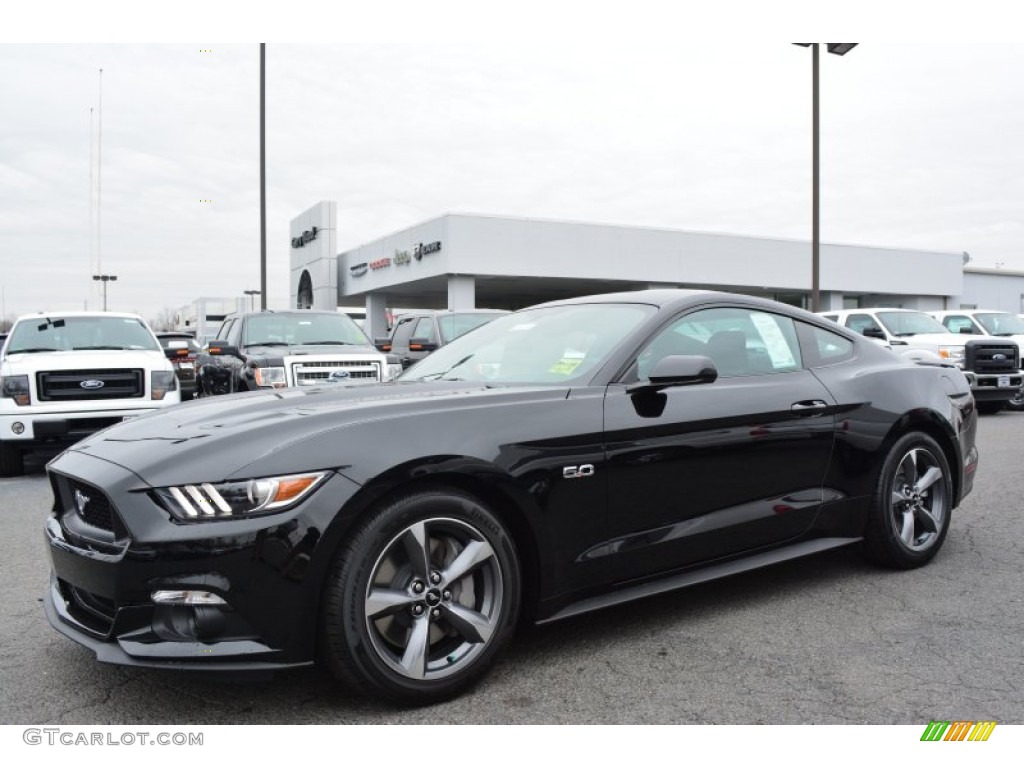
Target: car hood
x=938 y=339
x=311 y=349
x=78 y=359
x=242 y=435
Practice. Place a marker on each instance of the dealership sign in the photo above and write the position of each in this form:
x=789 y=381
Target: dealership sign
x=423 y=249
x=401 y=258
x=305 y=237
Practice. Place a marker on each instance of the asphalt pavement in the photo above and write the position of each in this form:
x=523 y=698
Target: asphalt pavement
x=827 y=639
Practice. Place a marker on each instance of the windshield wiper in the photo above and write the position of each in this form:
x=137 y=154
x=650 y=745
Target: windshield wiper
x=31 y=349
x=268 y=344
x=100 y=347
x=442 y=374
x=907 y=333
x=327 y=342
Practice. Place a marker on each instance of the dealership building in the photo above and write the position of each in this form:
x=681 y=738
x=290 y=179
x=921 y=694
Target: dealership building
x=463 y=261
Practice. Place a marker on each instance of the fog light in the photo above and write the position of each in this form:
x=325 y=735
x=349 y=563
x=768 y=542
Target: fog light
x=17 y=427
x=186 y=597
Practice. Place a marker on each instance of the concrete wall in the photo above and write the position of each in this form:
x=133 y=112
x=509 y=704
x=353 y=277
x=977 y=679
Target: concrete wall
x=318 y=256
x=992 y=289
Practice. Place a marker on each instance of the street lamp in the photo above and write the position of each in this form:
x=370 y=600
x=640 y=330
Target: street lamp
x=106 y=279
x=252 y=298
x=839 y=49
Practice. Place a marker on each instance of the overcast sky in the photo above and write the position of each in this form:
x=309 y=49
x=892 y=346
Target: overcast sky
x=921 y=148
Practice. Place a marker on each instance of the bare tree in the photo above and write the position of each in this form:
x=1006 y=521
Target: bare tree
x=165 y=321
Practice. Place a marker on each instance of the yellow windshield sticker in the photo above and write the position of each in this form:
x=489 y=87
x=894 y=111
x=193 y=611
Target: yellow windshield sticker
x=565 y=366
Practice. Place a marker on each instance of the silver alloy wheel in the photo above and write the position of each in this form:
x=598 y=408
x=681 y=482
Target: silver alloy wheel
x=918 y=499
x=434 y=599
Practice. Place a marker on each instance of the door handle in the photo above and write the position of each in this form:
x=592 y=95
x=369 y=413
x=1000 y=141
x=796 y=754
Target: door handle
x=809 y=407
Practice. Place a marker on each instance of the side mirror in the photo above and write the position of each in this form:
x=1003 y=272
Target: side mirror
x=223 y=348
x=873 y=332
x=383 y=344
x=677 y=371
x=422 y=345
x=967 y=329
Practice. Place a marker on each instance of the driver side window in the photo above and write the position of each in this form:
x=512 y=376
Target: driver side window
x=739 y=341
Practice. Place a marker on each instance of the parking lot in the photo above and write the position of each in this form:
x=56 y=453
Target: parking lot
x=828 y=639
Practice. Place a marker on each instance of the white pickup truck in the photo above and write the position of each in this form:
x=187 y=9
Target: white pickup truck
x=992 y=366
x=65 y=375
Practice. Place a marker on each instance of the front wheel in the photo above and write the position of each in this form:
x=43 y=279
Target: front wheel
x=12 y=460
x=912 y=506
x=421 y=599
x=1016 y=403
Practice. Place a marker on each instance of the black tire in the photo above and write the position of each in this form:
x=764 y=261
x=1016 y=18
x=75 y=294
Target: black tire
x=991 y=406
x=912 y=505
x=1016 y=403
x=436 y=632
x=12 y=460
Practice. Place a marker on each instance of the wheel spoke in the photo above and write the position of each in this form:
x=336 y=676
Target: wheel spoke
x=472 y=557
x=928 y=522
x=928 y=479
x=908 y=467
x=897 y=499
x=417 y=549
x=383 y=602
x=473 y=626
x=907 y=530
x=414 y=660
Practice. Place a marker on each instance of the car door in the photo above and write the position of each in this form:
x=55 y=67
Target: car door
x=706 y=471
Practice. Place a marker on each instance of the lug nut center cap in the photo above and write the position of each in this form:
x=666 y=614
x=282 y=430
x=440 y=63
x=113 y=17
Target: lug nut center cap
x=433 y=597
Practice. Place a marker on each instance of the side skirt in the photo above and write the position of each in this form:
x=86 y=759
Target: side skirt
x=700 y=575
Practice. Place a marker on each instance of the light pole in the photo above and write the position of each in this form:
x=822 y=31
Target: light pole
x=252 y=298
x=105 y=279
x=839 y=49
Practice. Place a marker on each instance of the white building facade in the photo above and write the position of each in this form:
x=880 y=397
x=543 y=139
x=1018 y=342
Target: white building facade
x=461 y=261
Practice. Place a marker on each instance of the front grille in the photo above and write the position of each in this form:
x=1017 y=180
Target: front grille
x=92 y=505
x=311 y=372
x=992 y=357
x=113 y=384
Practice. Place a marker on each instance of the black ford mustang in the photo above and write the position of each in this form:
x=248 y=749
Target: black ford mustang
x=557 y=460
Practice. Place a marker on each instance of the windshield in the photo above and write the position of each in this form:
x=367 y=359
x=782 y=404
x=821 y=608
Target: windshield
x=295 y=328
x=453 y=326
x=544 y=345
x=1000 y=323
x=910 y=323
x=59 y=334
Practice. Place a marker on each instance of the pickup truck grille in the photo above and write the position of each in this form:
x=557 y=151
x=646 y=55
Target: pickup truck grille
x=113 y=384
x=992 y=357
x=312 y=372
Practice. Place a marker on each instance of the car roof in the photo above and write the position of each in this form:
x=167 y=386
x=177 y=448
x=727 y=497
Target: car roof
x=76 y=313
x=437 y=312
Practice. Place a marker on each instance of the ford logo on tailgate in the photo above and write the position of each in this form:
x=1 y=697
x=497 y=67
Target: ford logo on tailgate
x=91 y=384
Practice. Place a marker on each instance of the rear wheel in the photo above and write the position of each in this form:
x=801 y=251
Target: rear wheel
x=12 y=460
x=421 y=599
x=913 y=502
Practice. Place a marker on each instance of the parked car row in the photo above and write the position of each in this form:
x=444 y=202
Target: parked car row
x=991 y=361
x=416 y=335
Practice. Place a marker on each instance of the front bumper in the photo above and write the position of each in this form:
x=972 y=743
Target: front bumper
x=985 y=387
x=106 y=567
x=65 y=427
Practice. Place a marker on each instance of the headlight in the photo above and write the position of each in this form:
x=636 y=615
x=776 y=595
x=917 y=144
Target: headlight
x=162 y=382
x=270 y=377
x=952 y=354
x=16 y=388
x=214 y=501
x=394 y=371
